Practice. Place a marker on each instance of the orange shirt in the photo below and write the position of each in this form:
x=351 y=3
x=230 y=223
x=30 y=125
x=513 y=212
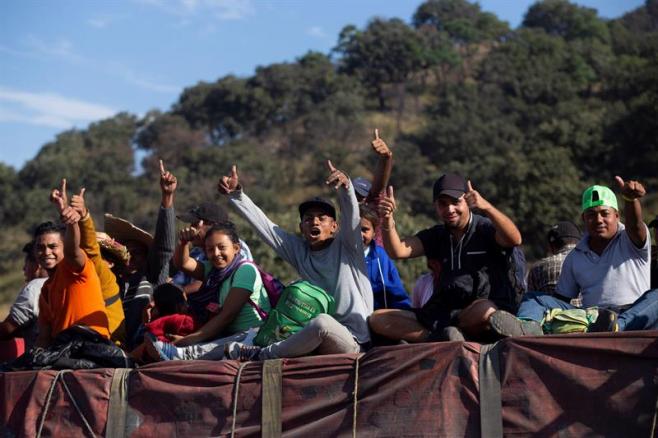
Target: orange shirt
x=73 y=298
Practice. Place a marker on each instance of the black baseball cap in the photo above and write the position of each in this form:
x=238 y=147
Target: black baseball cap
x=207 y=212
x=563 y=230
x=450 y=184
x=322 y=203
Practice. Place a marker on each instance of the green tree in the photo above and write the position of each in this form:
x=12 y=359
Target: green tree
x=386 y=52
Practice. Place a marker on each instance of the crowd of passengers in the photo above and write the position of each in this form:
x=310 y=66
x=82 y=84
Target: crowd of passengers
x=116 y=288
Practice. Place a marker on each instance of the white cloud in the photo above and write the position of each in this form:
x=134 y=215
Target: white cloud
x=98 y=23
x=60 y=47
x=48 y=109
x=220 y=9
x=316 y=32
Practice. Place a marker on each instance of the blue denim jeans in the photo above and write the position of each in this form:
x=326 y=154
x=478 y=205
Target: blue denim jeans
x=642 y=315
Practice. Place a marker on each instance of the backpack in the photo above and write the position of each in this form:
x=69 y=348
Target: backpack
x=299 y=303
x=273 y=288
x=559 y=321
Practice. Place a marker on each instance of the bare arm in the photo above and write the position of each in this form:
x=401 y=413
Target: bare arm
x=182 y=258
x=396 y=248
x=632 y=192
x=236 y=299
x=73 y=254
x=69 y=216
x=507 y=234
x=384 y=166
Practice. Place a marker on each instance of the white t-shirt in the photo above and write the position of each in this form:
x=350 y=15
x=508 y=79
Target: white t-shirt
x=25 y=310
x=618 y=277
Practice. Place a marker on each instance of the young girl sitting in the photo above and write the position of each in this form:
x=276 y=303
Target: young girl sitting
x=238 y=290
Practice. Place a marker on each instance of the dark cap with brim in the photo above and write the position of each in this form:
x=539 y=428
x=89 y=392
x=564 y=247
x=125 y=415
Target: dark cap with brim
x=318 y=202
x=564 y=230
x=361 y=186
x=450 y=184
x=208 y=212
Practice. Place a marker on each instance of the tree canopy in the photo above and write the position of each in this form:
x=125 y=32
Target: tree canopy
x=531 y=115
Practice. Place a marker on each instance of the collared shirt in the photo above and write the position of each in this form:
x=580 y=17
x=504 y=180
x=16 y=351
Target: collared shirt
x=618 y=277
x=544 y=275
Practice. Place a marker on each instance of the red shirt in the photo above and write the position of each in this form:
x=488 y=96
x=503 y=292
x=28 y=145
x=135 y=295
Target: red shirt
x=176 y=324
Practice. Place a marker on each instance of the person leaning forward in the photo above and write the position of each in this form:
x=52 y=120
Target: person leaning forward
x=471 y=249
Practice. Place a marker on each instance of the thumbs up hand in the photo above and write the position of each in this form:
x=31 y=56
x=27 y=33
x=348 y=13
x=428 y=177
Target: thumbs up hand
x=78 y=203
x=379 y=146
x=474 y=199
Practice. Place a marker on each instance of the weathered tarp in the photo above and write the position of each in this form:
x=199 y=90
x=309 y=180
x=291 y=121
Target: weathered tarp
x=576 y=385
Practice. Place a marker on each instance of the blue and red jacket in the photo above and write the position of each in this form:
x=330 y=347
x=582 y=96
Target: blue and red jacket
x=387 y=287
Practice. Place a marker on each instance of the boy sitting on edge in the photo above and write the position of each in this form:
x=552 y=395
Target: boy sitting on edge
x=328 y=256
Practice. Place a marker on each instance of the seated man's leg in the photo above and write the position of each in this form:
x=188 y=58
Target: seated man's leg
x=323 y=333
x=643 y=314
x=527 y=321
x=535 y=304
x=398 y=324
x=474 y=319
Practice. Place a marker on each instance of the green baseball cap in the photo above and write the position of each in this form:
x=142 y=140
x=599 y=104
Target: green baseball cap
x=599 y=195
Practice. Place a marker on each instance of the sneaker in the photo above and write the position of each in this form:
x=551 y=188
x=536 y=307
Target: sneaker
x=452 y=334
x=241 y=352
x=163 y=350
x=506 y=324
x=605 y=322
x=446 y=334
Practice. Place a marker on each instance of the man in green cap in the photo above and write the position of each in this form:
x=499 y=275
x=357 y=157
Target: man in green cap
x=609 y=266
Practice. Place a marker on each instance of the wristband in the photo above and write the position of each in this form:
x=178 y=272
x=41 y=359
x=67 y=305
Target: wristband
x=388 y=229
x=627 y=199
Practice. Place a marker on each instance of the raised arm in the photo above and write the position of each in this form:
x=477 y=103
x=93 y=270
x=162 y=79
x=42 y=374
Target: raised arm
x=88 y=242
x=182 y=258
x=285 y=244
x=384 y=166
x=164 y=239
x=632 y=192
x=507 y=234
x=350 y=223
x=396 y=248
x=69 y=216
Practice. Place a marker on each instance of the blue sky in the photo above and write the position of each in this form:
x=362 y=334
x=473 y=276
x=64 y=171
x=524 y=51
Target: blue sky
x=66 y=63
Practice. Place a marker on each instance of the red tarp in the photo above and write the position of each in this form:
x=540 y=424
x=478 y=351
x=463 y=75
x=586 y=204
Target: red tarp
x=574 y=385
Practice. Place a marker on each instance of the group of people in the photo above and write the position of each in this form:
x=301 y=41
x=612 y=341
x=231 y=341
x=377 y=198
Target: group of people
x=118 y=289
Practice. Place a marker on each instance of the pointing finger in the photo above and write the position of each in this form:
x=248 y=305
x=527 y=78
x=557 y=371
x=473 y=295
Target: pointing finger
x=376 y=134
x=389 y=192
x=63 y=189
x=234 y=171
x=469 y=186
x=162 y=168
x=330 y=166
x=82 y=192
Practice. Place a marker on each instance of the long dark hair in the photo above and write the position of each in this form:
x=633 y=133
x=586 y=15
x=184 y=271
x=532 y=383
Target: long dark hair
x=226 y=228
